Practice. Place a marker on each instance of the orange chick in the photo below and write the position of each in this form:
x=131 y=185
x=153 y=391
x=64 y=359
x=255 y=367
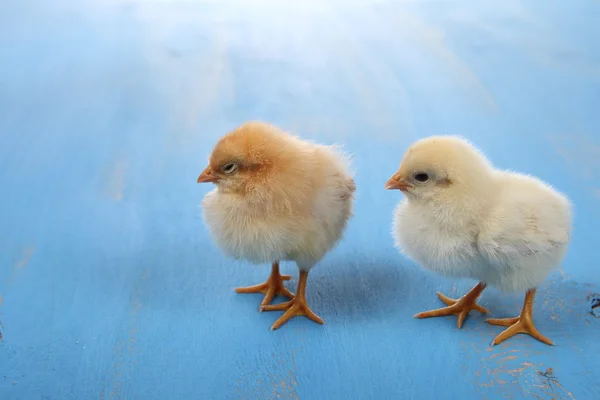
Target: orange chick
x=277 y=198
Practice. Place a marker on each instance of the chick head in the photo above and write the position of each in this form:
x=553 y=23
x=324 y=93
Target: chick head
x=439 y=167
x=244 y=158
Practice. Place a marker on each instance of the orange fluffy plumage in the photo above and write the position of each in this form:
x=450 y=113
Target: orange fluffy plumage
x=277 y=198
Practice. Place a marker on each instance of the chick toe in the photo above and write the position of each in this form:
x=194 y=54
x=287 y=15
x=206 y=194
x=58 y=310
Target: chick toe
x=461 y=308
x=502 y=321
x=271 y=288
x=294 y=308
x=521 y=324
x=449 y=302
x=276 y=307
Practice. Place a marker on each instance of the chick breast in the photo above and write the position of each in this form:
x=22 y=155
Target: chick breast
x=445 y=249
x=261 y=234
x=523 y=235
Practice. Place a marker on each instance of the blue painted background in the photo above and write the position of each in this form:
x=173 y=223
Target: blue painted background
x=110 y=287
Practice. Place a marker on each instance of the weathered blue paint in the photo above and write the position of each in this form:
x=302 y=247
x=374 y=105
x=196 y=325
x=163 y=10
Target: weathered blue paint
x=109 y=285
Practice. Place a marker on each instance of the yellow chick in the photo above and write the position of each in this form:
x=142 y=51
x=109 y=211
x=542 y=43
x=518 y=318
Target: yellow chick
x=463 y=218
x=277 y=198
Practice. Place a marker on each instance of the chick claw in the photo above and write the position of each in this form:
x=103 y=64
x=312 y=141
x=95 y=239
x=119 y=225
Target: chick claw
x=293 y=308
x=521 y=324
x=271 y=288
x=516 y=326
x=461 y=308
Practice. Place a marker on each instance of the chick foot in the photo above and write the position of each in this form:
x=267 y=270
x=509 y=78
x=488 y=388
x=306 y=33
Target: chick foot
x=271 y=288
x=461 y=308
x=295 y=307
x=521 y=324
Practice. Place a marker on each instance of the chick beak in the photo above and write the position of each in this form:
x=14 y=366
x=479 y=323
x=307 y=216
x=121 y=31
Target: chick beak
x=207 y=176
x=396 y=182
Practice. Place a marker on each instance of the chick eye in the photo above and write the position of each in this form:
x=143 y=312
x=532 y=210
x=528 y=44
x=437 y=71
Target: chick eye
x=229 y=168
x=421 y=177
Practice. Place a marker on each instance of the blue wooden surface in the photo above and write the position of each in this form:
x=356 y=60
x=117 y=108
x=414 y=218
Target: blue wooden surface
x=109 y=285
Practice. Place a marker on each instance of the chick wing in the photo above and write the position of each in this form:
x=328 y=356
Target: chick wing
x=526 y=233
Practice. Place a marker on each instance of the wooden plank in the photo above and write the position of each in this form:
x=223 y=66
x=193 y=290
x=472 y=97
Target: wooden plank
x=110 y=287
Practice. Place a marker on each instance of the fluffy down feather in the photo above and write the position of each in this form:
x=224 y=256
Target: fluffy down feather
x=293 y=203
x=470 y=220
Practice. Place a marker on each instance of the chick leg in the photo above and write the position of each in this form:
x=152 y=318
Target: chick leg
x=520 y=324
x=272 y=287
x=295 y=307
x=460 y=308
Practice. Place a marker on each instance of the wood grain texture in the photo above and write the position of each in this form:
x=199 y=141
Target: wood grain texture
x=110 y=287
